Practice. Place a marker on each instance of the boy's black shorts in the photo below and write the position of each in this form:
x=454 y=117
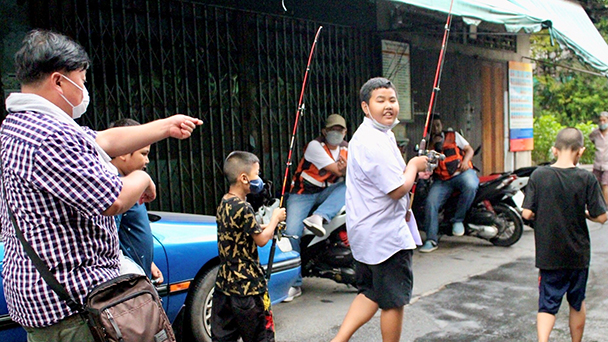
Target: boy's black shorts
x=553 y=284
x=248 y=317
x=390 y=282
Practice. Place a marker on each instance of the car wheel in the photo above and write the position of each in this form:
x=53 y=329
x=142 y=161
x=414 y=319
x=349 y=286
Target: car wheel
x=198 y=306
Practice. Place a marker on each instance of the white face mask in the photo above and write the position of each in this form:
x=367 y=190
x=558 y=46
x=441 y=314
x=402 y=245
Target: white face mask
x=77 y=111
x=380 y=126
x=334 y=138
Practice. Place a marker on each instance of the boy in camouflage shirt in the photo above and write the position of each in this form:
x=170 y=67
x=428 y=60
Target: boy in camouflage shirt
x=241 y=305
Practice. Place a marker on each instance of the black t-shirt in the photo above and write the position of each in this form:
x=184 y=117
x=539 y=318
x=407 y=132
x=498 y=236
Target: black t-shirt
x=559 y=198
x=240 y=271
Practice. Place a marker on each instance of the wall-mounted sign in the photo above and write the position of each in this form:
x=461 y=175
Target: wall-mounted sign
x=521 y=104
x=396 y=67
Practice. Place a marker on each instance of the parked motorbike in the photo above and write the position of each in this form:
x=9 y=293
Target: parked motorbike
x=489 y=218
x=328 y=256
x=519 y=187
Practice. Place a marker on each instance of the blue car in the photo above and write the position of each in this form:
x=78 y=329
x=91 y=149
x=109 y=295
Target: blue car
x=186 y=252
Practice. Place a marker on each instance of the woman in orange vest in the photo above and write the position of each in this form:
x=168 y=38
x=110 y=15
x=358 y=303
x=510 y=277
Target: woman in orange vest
x=455 y=173
x=318 y=181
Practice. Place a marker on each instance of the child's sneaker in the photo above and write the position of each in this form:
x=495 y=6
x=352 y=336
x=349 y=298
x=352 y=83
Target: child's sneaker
x=294 y=291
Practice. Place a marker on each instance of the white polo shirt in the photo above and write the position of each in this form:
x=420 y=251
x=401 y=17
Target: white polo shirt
x=375 y=222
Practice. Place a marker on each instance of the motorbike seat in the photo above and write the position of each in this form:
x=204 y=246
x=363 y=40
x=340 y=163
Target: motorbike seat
x=484 y=179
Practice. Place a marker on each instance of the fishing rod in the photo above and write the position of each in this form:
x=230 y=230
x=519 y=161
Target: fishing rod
x=433 y=156
x=431 y=111
x=299 y=112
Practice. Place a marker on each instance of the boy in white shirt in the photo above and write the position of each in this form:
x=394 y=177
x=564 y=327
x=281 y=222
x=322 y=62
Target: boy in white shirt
x=377 y=186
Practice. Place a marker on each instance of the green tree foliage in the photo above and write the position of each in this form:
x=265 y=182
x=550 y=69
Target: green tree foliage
x=586 y=128
x=596 y=9
x=564 y=96
x=572 y=99
x=546 y=128
x=545 y=131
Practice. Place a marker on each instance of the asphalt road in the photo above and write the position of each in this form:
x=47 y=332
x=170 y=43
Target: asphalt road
x=467 y=290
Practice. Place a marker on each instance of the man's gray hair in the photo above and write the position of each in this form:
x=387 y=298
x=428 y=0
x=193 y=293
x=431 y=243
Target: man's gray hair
x=604 y=114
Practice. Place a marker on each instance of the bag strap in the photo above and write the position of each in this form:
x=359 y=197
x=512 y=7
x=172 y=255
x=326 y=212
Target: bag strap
x=29 y=250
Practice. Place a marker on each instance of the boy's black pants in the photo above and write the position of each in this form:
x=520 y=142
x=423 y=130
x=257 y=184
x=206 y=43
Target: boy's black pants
x=246 y=317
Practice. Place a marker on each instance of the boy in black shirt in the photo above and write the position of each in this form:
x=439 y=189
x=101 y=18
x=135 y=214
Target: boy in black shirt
x=241 y=305
x=559 y=197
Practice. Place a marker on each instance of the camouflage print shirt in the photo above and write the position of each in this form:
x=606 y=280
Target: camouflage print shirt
x=240 y=271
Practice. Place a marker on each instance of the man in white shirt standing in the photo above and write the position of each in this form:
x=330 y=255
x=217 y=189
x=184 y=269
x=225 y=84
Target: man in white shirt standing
x=318 y=182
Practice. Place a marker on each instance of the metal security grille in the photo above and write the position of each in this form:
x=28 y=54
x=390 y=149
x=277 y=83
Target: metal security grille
x=241 y=72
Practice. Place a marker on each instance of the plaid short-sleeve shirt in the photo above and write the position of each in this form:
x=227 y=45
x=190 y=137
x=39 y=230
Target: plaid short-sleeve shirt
x=57 y=189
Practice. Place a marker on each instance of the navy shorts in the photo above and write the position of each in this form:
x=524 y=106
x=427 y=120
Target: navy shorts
x=553 y=284
x=389 y=283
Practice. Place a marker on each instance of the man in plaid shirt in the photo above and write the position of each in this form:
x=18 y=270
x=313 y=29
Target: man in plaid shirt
x=62 y=188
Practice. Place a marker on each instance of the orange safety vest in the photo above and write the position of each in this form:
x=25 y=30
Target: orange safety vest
x=308 y=179
x=453 y=156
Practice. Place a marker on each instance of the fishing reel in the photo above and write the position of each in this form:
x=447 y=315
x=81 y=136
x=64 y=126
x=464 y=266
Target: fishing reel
x=280 y=232
x=433 y=159
x=433 y=156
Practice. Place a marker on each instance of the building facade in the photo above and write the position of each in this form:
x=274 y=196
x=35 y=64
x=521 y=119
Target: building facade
x=240 y=67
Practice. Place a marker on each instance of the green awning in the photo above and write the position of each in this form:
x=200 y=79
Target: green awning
x=566 y=20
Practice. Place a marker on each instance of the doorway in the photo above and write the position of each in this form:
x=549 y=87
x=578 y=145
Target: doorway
x=492 y=117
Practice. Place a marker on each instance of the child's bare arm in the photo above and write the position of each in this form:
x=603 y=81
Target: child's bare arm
x=599 y=219
x=261 y=239
x=415 y=165
x=528 y=214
